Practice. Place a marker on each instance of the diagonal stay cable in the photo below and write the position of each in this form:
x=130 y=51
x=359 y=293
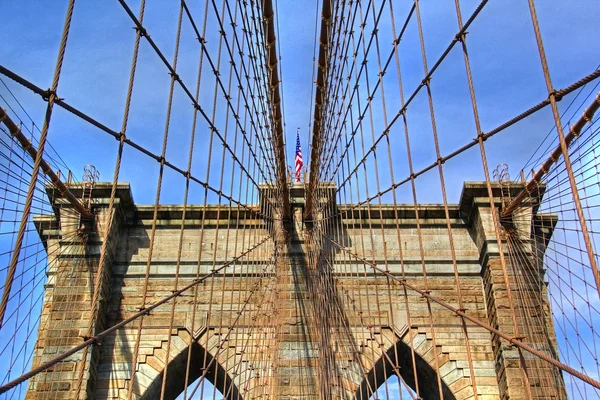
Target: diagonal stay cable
x=422 y=84
x=143 y=312
x=189 y=94
x=512 y=340
x=363 y=67
x=560 y=94
x=222 y=87
x=52 y=97
x=117 y=135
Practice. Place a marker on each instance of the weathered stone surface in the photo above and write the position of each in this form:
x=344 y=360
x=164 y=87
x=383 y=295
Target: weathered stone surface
x=253 y=324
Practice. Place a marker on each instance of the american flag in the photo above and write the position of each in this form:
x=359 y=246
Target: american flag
x=298 y=157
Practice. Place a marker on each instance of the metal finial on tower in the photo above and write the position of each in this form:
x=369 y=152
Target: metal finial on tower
x=501 y=173
x=90 y=174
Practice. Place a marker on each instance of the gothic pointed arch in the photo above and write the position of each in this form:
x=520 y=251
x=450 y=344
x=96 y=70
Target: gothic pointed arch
x=176 y=372
x=383 y=369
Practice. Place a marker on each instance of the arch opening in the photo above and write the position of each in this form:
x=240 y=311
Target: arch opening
x=383 y=370
x=175 y=383
x=393 y=389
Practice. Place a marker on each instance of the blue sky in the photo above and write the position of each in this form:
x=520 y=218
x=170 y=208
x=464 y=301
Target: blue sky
x=504 y=59
x=506 y=72
x=393 y=391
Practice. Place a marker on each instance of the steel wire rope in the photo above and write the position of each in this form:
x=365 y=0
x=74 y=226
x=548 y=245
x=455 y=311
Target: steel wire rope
x=217 y=76
x=484 y=137
x=268 y=112
x=516 y=264
x=531 y=162
x=98 y=337
x=425 y=79
x=36 y=167
x=127 y=141
x=376 y=168
x=51 y=157
x=579 y=356
x=563 y=146
x=181 y=233
x=110 y=210
x=513 y=340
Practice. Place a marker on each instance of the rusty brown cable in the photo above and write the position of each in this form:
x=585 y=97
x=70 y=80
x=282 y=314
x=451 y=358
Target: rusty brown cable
x=564 y=147
x=130 y=142
x=511 y=339
x=475 y=141
x=110 y=211
x=426 y=78
x=146 y=311
x=36 y=166
x=174 y=77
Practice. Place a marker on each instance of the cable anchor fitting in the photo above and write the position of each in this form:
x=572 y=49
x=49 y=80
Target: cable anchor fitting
x=141 y=30
x=461 y=36
x=46 y=95
x=556 y=94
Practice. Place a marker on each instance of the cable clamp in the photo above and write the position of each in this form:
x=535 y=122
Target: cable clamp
x=584 y=116
x=93 y=338
x=514 y=339
x=556 y=94
x=46 y=95
x=141 y=30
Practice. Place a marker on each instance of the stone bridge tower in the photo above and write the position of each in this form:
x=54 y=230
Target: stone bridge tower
x=195 y=332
